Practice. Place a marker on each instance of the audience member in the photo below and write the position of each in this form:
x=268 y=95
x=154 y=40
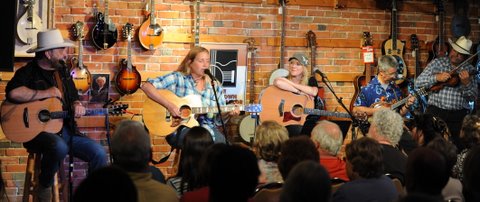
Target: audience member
x=233 y=175
x=196 y=141
x=419 y=197
x=328 y=138
x=386 y=128
x=365 y=170
x=308 y=181
x=106 y=184
x=296 y=150
x=453 y=190
x=131 y=150
x=269 y=138
x=426 y=172
x=471 y=174
x=469 y=137
x=427 y=127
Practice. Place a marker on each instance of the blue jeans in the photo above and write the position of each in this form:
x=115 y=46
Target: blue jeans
x=54 y=148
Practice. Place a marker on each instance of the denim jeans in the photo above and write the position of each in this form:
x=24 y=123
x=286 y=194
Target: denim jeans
x=54 y=148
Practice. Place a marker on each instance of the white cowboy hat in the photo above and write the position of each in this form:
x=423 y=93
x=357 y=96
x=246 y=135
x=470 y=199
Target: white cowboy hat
x=50 y=39
x=462 y=45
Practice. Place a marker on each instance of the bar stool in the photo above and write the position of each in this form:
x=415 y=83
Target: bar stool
x=31 y=179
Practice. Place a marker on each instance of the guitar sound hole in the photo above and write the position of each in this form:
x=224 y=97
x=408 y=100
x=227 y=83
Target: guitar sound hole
x=44 y=116
x=185 y=111
x=297 y=110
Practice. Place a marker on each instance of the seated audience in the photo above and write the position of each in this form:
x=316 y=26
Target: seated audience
x=269 y=137
x=471 y=174
x=131 y=150
x=427 y=127
x=387 y=127
x=106 y=184
x=196 y=141
x=308 y=181
x=469 y=137
x=426 y=172
x=328 y=138
x=365 y=170
x=296 y=150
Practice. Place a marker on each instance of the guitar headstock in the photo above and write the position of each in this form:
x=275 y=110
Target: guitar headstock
x=311 y=39
x=117 y=109
x=251 y=44
x=77 y=30
x=282 y=2
x=367 y=39
x=128 y=31
x=253 y=108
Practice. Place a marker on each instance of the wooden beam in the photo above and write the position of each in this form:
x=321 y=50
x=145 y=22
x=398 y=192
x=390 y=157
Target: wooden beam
x=346 y=77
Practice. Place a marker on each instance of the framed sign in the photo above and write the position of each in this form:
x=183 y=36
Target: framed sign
x=32 y=17
x=228 y=63
x=100 y=88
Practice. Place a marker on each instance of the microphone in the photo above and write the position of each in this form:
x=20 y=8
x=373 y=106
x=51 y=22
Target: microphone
x=317 y=71
x=209 y=74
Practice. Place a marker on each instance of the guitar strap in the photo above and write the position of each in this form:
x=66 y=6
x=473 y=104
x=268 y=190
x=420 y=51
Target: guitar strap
x=59 y=82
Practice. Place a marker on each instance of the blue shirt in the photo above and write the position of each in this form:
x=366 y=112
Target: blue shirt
x=373 y=92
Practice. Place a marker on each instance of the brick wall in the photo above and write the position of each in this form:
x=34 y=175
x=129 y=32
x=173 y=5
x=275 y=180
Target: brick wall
x=338 y=32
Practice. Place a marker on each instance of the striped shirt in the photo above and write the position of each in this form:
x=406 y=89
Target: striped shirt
x=449 y=98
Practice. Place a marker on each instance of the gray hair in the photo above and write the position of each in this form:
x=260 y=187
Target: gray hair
x=386 y=62
x=389 y=124
x=328 y=135
x=131 y=146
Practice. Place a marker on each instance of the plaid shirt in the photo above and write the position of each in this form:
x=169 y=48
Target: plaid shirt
x=374 y=91
x=449 y=98
x=183 y=85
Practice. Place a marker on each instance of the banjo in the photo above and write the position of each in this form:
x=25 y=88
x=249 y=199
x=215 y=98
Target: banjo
x=247 y=124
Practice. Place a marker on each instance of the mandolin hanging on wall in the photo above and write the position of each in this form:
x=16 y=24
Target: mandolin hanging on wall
x=104 y=33
x=128 y=79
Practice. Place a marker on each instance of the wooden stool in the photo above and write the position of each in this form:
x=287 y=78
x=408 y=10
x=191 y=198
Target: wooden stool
x=31 y=179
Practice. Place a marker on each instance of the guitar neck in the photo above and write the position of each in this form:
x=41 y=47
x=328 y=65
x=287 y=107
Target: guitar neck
x=30 y=7
x=441 y=34
x=418 y=69
x=282 y=43
x=319 y=112
x=129 y=53
x=394 y=25
x=80 y=53
x=153 y=21
x=105 y=17
x=252 y=75
x=88 y=112
x=204 y=110
x=197 y=23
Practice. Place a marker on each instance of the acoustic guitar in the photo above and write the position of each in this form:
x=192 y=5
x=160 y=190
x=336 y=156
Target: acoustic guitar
x=281 y=71
x=159 y=121
x=288 y=108
x=363 y=80
x=79 y=72
x=23 y=122
x=150 y=33
x=439 y=47
x=395 y=47
x=128 y=79
x=104 y=33
x=29 y=24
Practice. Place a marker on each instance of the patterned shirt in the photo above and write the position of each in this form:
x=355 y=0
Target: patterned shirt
x=449 y=98
x=183 y=85
x=374 y=92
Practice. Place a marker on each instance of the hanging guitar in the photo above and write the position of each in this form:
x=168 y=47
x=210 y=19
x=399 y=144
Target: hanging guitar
x=79 y=72
x=128 y=78
x=29 y=24
x=395 y=47
x=312 y=44
x=104 y=33
x=150 y=33
x=439 y=47
x=420 y=103
x=248 y=122
x=281 y=71
x=363 y=80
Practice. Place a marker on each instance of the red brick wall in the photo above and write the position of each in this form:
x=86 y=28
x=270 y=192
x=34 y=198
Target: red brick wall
x=225 y=22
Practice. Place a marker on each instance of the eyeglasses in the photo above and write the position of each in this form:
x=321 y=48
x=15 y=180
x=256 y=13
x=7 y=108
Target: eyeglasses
x=391 y=73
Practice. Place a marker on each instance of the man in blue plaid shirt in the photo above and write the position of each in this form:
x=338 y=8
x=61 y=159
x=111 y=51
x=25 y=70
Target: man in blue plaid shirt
x=451 y=103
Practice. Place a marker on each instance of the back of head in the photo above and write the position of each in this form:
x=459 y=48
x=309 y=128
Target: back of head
x=296 y=150
x=470 y=133
x=233 y=175
x=131 y=148
x=269 y=137
x=329 y=136
x=471 y=175
x=430 y=126
x=308 y=181
x=426 y=172
x=366 y=158
x=447 y=149
x=420 y=197
x=106 y=184
x=388 y=124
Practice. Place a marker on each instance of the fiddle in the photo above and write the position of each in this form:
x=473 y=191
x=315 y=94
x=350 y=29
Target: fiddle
x=454 y=78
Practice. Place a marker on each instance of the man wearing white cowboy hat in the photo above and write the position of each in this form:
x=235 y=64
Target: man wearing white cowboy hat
x=44 y=77
x=451 y=103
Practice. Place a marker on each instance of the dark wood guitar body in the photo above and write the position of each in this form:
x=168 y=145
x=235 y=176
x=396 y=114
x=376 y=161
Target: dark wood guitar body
x=127 y=79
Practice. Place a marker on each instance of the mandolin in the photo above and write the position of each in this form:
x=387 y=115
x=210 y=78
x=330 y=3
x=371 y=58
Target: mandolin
x=128 y=78
x=104 y=33
x=150 y=33
x=29 y=24
x=79 y=72
x=395 y=47
x=439 y=47
x=281 y=71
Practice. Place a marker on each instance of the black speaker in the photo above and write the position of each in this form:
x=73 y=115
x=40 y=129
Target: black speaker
x=7 y=47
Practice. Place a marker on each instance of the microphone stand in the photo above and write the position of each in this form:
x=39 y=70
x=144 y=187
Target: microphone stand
x=355 y=121
x=71 y=124
x=212 y=82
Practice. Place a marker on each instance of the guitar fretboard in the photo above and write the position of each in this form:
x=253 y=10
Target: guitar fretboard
x=319 y=112
x=204 y=110
x=88 y=112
